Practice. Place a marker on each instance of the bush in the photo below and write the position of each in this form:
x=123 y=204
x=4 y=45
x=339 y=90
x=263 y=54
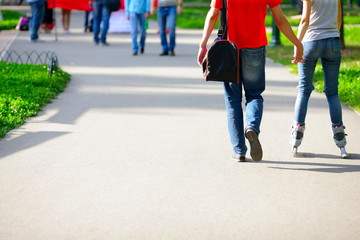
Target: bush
x=24 y=90
x=10 y=19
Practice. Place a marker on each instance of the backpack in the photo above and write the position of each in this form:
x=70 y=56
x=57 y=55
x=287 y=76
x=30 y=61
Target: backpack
x=23 y=24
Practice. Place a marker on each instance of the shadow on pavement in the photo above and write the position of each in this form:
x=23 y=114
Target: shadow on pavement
x=26 y=141
x=319 y=167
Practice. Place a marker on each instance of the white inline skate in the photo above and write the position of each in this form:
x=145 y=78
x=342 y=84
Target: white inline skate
x=340 y=139
x=297 y=134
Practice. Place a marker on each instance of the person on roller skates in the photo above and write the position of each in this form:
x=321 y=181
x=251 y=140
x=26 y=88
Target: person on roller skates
x=319 y=32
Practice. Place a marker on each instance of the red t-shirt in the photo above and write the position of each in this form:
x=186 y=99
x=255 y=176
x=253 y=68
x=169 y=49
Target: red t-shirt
x=246 y=21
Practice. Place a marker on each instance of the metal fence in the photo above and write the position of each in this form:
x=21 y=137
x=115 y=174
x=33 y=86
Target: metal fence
x=11 y=2
x=33 y=57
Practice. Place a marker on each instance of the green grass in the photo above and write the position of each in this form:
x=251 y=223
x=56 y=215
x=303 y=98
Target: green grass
x=194 y=17
x=10 y=19
x=349 y=77
x=24 y=90
x=349 y=92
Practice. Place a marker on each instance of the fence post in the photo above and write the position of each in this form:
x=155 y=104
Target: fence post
x=275 y=36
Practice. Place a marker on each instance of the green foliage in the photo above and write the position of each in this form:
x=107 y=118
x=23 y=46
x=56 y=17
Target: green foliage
x=8 y=14
x=352 y=19
x=8 y=24
x=349 y=86
x=24 y=90
x=10 y=19
x=352 y=36
x=349 y=77
x=192 y=17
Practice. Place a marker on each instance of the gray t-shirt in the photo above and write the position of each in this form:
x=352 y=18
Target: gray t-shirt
x=167 y=3
x=323 y=19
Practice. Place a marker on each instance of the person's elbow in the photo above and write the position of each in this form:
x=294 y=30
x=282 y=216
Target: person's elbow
x=213 y=13
x=305 y=22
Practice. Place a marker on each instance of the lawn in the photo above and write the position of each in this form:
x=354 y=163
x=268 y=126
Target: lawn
x=349 y=78
x=349 y=88
x=10 y=19
x=24 y=90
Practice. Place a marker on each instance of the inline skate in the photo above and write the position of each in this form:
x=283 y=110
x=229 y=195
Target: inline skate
x=340 y=138
x=297 y=134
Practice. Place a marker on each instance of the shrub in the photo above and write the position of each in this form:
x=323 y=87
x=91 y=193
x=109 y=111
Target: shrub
x=24 y=90
x=10 y=19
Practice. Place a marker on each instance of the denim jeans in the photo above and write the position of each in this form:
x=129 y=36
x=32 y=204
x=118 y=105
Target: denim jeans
x=167 y=18
x=328 y=50
x=253 y=82
x=37 y=15
x=101 y=14
x=137 y=20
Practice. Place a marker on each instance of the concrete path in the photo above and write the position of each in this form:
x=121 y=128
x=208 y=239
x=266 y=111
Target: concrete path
x=137 y=148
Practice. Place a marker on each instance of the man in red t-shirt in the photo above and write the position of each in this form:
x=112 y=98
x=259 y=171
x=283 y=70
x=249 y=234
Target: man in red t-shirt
x=246 y=28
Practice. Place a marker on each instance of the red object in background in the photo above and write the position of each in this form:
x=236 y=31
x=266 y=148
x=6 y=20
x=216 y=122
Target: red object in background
x=156 y=4
x=70 y=4
x=74 y=5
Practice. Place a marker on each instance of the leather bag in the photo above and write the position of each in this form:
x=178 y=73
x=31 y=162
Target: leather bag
x=222 y=62
x=113 y=5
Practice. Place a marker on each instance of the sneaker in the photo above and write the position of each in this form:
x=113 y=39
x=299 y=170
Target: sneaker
x=96 y=43
x=135 y=53
x=104 y=44
x=238 y=157
x=172 y=53
x=255 y=146
x=142 y=50
x=165 y=53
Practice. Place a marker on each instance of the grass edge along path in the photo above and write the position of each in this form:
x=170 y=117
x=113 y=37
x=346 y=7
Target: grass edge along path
x=349 y=77
x=24 y=90
x=349 y=80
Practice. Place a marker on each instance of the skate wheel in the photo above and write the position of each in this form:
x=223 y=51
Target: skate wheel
x=294 y=152
x=344 y=154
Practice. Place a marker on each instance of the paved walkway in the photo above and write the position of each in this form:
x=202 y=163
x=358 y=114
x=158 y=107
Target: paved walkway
x=137 y=148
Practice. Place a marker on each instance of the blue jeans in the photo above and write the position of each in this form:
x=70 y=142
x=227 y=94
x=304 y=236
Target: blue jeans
x=328 y=50
x=253 y=81
x=101 y=14
x=167 y=18
x=137 y=20
x=37 y=15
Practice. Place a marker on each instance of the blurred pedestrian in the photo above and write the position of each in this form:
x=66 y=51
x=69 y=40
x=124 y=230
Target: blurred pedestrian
x=88 y=24
x=37 y=14
x=167 y=12
x=65 y=19
x=247 y=30
x=319 y=31
x=137 y=11
x=48 y=20
x=101 y=19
